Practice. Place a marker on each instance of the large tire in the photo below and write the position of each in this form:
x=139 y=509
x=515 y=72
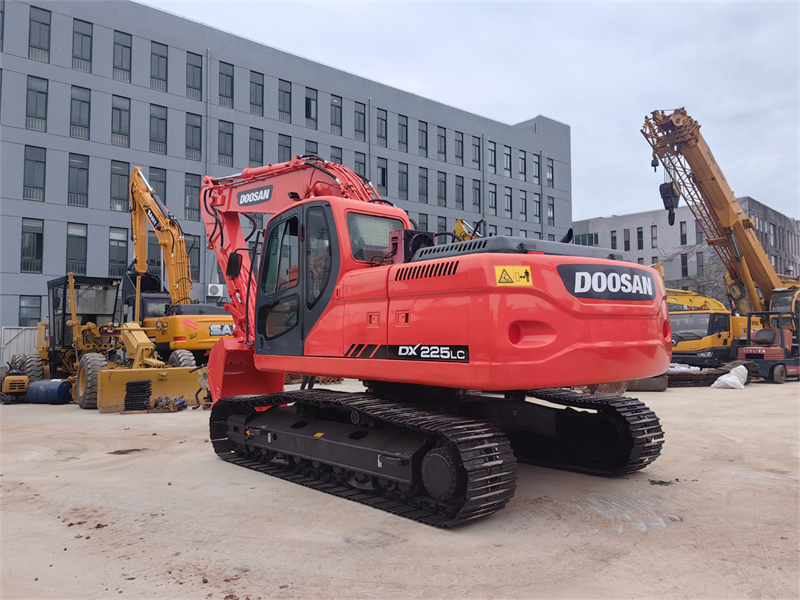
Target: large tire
x=34 y=367
x=18 y=359
x=779 y=374
x=182 y=358
x=88 y=374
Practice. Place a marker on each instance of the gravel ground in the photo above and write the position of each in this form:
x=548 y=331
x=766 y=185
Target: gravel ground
x=138 y=506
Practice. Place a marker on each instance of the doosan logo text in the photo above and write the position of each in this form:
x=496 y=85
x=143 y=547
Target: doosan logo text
x=613 y=282
x=258 y=196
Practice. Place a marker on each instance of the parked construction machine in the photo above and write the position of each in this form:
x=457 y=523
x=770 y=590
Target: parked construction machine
x=15 y=382
x=81 y=341
x=462 y=348
x=183 y=330
x=693 y=173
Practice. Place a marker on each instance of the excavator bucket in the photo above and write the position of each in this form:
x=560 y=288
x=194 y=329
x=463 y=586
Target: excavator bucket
x=173 y=382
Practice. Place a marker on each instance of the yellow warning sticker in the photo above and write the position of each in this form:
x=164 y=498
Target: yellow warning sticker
x=318 y=434
x=513 y=276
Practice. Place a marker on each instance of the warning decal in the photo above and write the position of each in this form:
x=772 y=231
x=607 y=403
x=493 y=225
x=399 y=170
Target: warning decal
x=513 y=276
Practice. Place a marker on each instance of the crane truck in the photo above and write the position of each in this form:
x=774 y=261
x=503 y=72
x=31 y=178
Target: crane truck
x=463 y=348
x=758 y=291
x=182 y=330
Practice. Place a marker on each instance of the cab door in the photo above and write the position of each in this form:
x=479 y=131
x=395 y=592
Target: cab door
x=299 y=264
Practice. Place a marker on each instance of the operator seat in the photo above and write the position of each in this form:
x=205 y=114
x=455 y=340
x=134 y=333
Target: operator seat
x=771 y=337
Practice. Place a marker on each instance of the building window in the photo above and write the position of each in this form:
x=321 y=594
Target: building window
x=640 y=238
x=551 y=211
x=640 y=261
x=117 y=252
x=256 y=147
x=507 y=203
x=194 y=137
x=30 y=311
x=459 y=192
x=36 y=104
x=79 y=113
x=383 y=176
x=536 y=169
x=423 y=138
x=361 y=122
x=284 y=148
x=284 y=101
x=423 y=222
x=626 y=238
x=772 y=234
x=76 y=248
x=523 y=166
x=441 y=226
x=122 y=56
x=311 y=148
x=523 y=233
x=194 y=76
x=492 y=230
x=361 y=164
x=441 y=144
x=191 y=195
x=653 y=260
x=39 y=35
x=225 y=85
x=423 y=185
x=81 y=46
x=153 y=255
x=158 y=67
x=158 y=179
x=336 y=155
x=158 y=129
x=701 y=289
x=336 y=115
x=226 y=144
x=683 y=233
x=78 y=188
x=698 y=233
x=551 y=237
x=653 y=236
x=476 y=196
x=193 y=250
x=32 y=246
x=459 y=148
x=381 y=128
x=613 y=240
x=523 y=205
x=33 y=184
x=311 y=108
x=586 y=239
x=402 y=181
x=684 y=265
x=402 y=133
x=441 y=189
x=700 y=264
x=537 y=208
x=2 y=21
x=491 y=157
x=119 y=186
x=256 y=94
x=120 y=121
x=509 y=231
x=550 y=175
x=476 y=152
x=492 y=194
x=507 y=161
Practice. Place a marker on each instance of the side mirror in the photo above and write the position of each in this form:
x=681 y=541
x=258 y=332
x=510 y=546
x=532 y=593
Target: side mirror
x=125 y=309
x=234 y=265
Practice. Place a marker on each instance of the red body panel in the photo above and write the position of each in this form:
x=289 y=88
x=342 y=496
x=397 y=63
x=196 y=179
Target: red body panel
x=562 y=340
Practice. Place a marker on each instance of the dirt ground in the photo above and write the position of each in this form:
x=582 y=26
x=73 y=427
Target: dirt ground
x=138 y=506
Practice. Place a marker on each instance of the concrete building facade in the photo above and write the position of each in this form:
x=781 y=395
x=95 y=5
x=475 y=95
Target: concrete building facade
x=89 y=90
x=689 y=262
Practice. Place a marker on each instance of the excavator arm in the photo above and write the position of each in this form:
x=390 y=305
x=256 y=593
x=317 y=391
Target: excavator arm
x=146 y=207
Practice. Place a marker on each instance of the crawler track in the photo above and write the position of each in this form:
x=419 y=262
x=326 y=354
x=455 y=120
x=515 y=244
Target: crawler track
x=484 y=449
x=491 y=469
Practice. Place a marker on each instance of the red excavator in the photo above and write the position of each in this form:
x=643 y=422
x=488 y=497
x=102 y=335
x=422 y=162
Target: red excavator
x=462 y=348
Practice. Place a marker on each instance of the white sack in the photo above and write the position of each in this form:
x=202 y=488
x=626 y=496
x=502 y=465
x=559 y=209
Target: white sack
x=734 y=380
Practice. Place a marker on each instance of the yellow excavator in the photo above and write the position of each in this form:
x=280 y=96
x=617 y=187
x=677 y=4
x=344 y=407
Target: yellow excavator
x=182 y=330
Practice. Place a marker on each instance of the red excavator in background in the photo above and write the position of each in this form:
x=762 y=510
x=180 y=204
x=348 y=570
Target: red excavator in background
x=457 y=344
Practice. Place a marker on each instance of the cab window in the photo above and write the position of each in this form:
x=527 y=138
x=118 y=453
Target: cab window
x=318 y=250
x=281 y=260
x=369 y=235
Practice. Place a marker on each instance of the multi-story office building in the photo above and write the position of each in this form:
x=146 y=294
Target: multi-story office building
x=91 y=89
x=689 y=263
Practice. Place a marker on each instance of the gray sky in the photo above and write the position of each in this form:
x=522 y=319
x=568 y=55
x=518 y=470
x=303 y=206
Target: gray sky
x=597 y=66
